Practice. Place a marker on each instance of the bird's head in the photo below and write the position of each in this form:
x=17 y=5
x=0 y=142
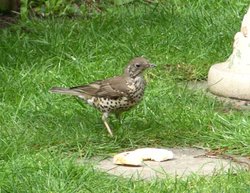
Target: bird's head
x=136 y=66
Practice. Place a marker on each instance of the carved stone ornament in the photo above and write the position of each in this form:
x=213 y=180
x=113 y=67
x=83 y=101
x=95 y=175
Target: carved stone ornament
x=232 y=77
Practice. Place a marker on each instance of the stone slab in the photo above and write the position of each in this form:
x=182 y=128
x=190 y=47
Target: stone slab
x=187 y=161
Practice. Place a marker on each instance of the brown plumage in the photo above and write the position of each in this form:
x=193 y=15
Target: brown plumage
x=113 y=95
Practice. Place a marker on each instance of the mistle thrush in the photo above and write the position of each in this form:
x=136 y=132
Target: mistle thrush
x=116 y=94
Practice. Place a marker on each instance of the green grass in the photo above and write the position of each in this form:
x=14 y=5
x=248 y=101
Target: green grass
x=42 y=135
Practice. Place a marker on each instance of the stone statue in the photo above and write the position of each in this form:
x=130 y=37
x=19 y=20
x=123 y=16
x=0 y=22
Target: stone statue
x=241 y=46
x=232 y=77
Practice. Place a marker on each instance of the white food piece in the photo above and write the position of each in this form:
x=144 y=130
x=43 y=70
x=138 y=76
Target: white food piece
x=127 y=158
x=136 y=157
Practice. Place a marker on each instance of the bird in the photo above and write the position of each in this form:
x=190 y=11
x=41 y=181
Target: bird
x=113 y=95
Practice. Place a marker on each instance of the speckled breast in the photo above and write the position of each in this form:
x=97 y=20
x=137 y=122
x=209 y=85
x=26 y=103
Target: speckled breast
x=135 y=94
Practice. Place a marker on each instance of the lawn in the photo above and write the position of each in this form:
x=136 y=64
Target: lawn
x=42 y=134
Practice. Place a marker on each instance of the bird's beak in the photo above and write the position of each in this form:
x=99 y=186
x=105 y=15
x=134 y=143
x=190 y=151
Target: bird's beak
x=152 y=65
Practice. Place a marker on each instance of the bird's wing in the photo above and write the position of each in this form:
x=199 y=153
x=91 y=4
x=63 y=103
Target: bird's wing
x=110 y=88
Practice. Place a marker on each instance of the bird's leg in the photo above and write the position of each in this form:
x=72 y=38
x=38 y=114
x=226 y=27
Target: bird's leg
x=104 y=119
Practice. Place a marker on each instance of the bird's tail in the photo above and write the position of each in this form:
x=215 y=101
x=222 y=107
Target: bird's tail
x=64 y=91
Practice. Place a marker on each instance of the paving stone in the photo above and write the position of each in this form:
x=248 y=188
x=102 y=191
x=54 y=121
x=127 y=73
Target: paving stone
x=187 y=161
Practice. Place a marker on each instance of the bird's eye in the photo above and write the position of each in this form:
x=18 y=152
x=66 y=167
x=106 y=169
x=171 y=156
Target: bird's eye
x=137 y=65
